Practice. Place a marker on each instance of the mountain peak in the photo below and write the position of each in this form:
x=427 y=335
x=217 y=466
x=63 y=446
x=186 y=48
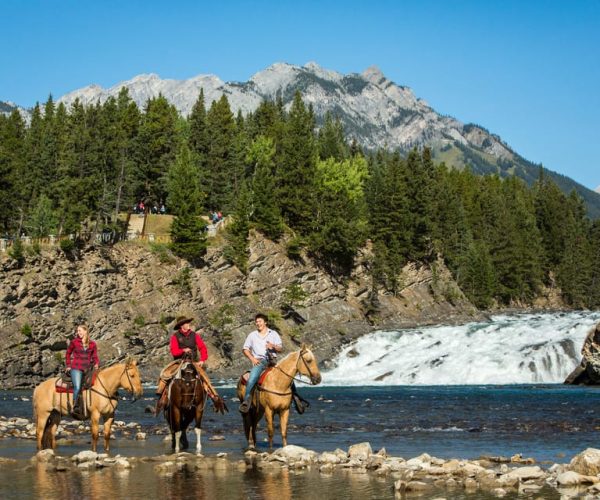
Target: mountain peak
x=374 y=75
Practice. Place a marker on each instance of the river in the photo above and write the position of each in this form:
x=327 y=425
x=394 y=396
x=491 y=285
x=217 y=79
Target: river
x=543 y=420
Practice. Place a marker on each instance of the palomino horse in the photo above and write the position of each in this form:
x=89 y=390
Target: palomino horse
x=49 y=406
x=274 y=396
x=187 y=399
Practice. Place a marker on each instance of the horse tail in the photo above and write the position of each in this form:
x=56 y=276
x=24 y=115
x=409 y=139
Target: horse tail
x=53 y=419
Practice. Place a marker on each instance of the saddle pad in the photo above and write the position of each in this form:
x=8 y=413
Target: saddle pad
x=264 y=374
x=65 y=386
x=244 y=378
x=246 y=375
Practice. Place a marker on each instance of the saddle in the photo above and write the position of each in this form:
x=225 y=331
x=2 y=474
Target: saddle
x=246 y=375
x=64 y=385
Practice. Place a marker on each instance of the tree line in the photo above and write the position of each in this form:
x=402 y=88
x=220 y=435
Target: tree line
x=276 y=172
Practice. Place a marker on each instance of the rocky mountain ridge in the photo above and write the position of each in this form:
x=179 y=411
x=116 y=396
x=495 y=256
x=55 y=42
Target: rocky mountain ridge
x=130 y=296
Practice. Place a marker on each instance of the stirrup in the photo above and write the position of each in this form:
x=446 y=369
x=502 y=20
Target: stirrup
x=244 y=407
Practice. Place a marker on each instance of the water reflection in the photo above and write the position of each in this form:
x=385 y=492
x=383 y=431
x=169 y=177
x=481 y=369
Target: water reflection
x=276 y=486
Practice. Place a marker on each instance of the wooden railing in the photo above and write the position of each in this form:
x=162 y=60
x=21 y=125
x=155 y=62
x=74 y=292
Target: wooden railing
x=107 y=238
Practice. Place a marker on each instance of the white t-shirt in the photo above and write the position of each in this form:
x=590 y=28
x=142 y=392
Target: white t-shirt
x=257 y=344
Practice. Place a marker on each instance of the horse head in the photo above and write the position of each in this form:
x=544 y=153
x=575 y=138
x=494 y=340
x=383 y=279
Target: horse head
x=130 y=378
x=307 y=365
x=188 y=374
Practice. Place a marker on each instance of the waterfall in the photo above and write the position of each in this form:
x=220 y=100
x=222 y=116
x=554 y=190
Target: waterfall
x=507 y=349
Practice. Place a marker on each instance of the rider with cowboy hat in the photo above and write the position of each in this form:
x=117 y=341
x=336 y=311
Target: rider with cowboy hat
x=185 y=344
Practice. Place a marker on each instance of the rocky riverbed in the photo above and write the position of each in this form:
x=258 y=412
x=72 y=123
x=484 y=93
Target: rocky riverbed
x=493 y=476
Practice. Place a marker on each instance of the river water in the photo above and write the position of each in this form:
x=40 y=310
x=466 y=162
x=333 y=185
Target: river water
x=547 y=421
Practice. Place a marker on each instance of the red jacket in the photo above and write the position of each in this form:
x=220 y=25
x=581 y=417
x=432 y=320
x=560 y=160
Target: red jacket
x=177 y=351
x=80 y=358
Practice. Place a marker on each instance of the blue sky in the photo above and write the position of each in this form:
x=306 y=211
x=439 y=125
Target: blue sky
x=527 y=70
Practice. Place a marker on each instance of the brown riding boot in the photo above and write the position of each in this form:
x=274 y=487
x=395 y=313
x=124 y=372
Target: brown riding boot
x=162 y=396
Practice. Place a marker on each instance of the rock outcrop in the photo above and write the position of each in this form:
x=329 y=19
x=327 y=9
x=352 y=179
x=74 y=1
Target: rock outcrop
x=130 y=294
x=588 y=371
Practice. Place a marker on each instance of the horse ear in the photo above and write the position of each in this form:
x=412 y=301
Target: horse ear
x=130 y=362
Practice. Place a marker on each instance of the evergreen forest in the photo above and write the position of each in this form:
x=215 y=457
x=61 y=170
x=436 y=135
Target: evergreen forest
x=73 y=171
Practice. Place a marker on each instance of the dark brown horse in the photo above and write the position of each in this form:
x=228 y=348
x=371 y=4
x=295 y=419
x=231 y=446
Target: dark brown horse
x=187 y=399
x=274 y=396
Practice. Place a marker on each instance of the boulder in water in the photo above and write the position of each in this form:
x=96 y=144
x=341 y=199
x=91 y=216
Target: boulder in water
x=588 y=371
x=587 y=462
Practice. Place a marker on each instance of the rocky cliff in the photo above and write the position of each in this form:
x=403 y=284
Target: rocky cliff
x=130 y=294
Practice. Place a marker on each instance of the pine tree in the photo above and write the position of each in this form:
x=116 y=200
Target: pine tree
x=574 y=272
x=157 y=146
x=185 y=201
x=389 y=217
x=219 y=174
x=42 y=220
x=296 y=172
x=331 y=142
x=421 y=184
x=12 y=152
x=236 y=250
x=127 y=128
x=265 y=213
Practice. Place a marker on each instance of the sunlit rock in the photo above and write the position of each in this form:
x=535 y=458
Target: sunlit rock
x=587 y=462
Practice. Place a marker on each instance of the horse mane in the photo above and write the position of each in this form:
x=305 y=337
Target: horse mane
x=304 y=348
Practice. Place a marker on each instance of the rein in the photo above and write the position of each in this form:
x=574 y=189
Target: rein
x=292 y=378
x=106 y=395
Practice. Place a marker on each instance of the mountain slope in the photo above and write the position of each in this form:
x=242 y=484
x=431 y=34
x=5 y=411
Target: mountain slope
x=374 y=110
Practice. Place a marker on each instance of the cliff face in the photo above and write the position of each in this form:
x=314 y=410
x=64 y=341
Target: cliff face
x=130 y=296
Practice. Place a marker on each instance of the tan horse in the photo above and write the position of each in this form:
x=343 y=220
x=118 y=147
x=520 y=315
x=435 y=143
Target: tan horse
x=101 y=400
x=274 y=396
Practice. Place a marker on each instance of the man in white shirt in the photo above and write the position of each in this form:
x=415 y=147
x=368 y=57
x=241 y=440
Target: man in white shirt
x=260 y=346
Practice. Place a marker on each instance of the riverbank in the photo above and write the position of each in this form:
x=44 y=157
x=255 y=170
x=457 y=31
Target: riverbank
x=358 y=470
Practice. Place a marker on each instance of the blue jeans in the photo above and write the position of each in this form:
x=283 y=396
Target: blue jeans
x=254 y=376
x=76 y=376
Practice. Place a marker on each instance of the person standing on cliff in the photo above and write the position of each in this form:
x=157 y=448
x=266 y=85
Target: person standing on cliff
x=82 y=354
x=185 y=345
x=261 y=348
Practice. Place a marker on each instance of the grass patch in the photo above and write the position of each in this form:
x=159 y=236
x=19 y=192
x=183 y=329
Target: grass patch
x=159 y=225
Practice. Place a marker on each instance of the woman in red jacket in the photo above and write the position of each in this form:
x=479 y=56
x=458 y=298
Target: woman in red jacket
x=81 y=354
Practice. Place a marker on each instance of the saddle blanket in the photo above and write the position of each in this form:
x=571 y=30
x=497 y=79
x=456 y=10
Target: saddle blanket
x=245 y=376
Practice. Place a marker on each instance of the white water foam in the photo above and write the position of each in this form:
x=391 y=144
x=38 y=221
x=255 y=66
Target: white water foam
x=509 y=349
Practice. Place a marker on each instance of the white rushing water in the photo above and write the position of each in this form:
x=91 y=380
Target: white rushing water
x=508 y=349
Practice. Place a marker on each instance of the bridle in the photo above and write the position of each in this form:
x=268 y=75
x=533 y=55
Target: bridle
x=110 y=398
x=310 y=373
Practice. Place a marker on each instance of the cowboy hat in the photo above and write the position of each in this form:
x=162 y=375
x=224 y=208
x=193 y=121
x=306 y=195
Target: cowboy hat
x=181 y=320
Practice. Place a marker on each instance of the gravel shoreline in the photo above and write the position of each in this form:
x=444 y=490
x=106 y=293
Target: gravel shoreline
x=497 y=476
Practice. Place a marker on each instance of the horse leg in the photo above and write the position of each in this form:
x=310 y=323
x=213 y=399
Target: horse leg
x=270 y=430
x=95 y=428
x=108 y=421
x=247 y=419
x=175 y=420
x=40 y=428
x=198 y=428
x=283 y=423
